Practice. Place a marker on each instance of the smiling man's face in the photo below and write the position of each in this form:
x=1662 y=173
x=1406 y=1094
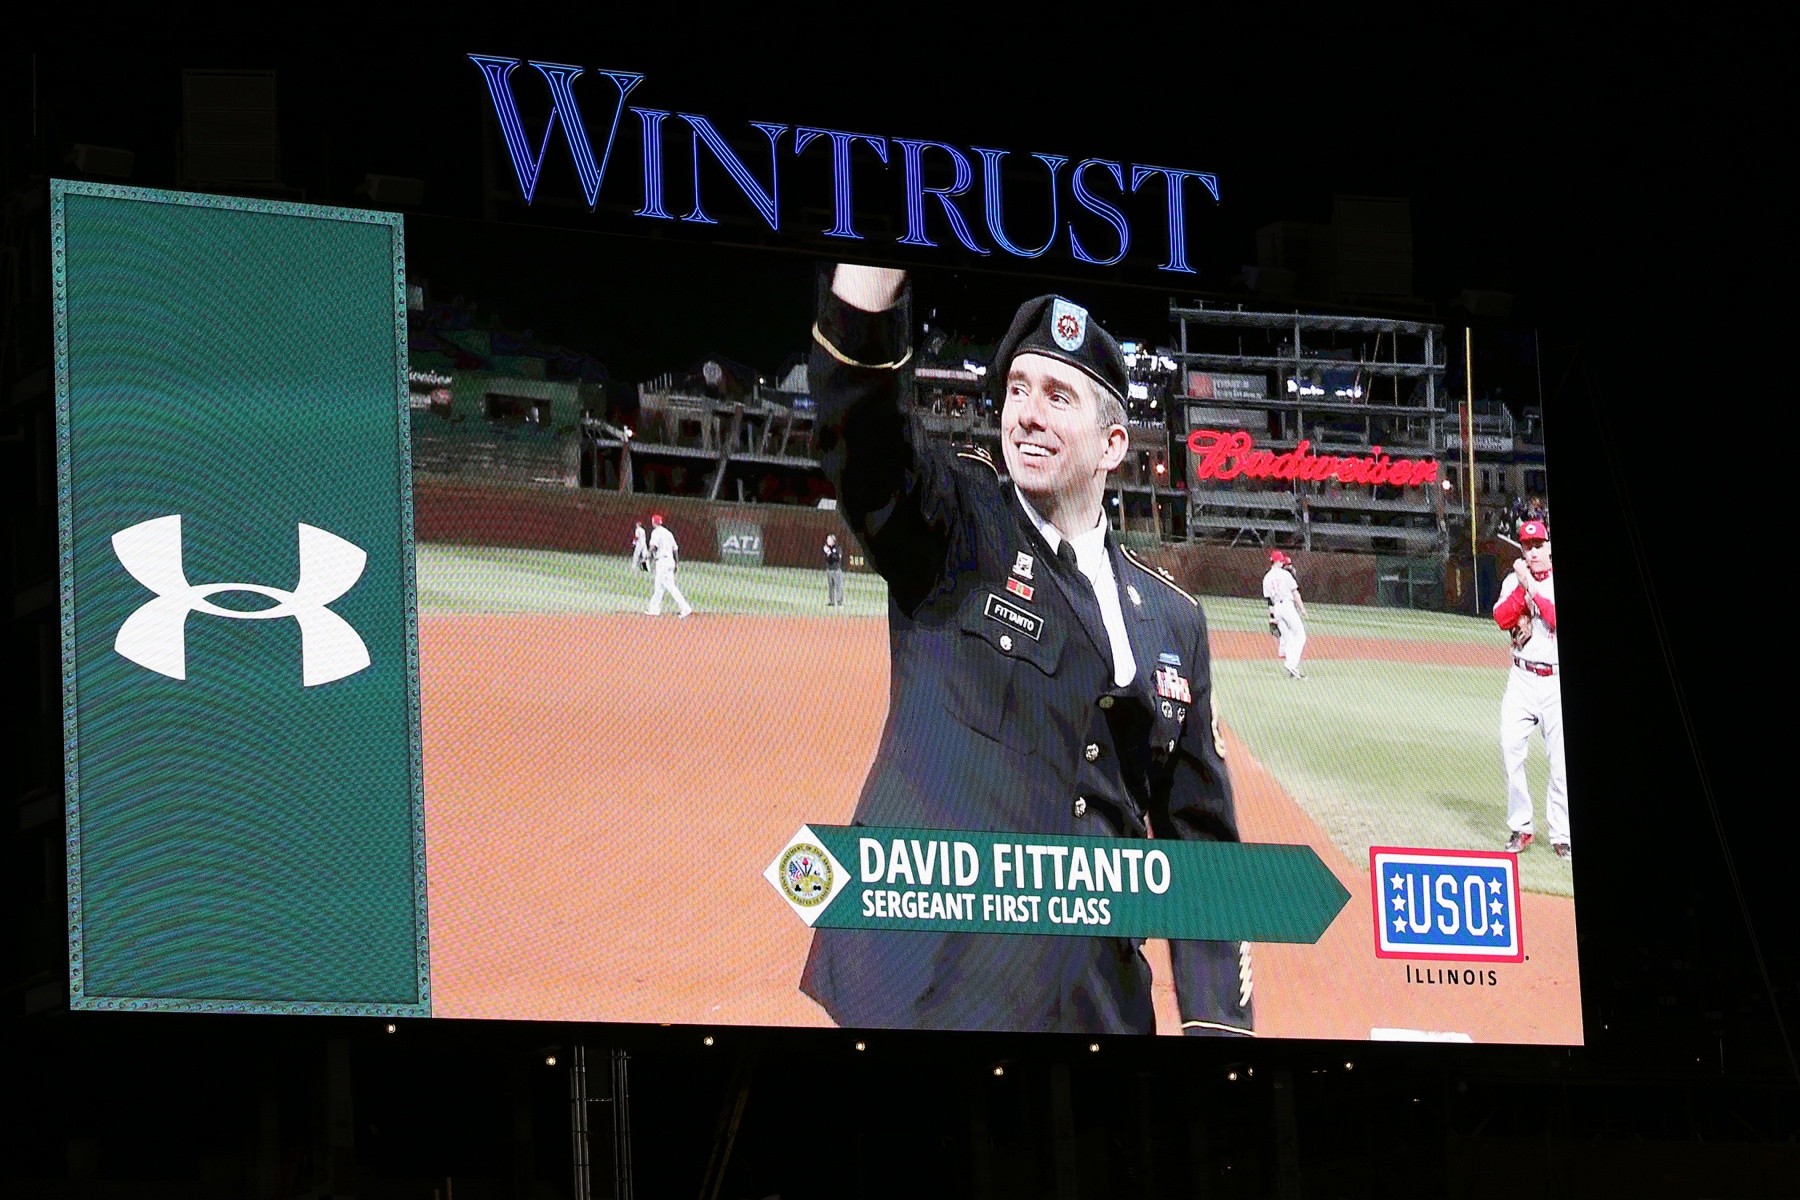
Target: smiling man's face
x=1057 y=450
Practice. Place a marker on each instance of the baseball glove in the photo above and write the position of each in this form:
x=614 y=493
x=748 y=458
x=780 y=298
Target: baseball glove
x=1521 y=632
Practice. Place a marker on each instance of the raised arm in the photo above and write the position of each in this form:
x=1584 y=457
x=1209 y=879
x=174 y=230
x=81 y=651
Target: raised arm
x=897 y=495
x=871 y=289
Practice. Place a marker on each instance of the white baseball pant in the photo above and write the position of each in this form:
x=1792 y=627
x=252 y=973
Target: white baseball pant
x=1533 y=702
x=665 y=582
x=1293 y=634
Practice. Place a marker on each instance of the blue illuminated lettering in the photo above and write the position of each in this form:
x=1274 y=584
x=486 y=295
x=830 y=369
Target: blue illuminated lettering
x=1177 y=222
x=1092 y=205
x=563 y=110
x=1100 y=208
x=768 y=203
x=991 y=193
x=914 y=162
x=842 y=209
x=652 y=120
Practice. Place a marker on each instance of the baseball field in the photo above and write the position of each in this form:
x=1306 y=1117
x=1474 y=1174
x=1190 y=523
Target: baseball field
x=604 y=789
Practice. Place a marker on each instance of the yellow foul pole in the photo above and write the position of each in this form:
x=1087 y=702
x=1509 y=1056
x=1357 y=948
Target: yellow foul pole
x=1469 y=443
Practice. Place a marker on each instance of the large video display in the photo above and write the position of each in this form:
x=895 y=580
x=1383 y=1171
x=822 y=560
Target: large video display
x=815 y=643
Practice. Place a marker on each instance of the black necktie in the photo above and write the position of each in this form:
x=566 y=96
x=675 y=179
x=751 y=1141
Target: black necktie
x=1086 y=601
x=1066 y=552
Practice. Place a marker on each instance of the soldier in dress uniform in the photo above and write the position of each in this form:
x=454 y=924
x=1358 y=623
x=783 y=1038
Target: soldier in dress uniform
x=1044 y=679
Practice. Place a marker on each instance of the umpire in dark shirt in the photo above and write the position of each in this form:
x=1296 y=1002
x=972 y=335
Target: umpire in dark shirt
x=1044 y=679
x=834 y=571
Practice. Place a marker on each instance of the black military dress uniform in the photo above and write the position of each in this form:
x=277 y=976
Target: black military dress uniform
x=1003 y=714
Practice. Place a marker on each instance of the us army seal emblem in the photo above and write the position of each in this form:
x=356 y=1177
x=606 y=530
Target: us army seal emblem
x=806 y=874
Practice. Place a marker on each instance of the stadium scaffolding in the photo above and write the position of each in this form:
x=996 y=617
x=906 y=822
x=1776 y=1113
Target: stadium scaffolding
x=1329 y=385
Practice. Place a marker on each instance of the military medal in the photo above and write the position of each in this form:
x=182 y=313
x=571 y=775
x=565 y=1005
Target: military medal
x=1171 y=686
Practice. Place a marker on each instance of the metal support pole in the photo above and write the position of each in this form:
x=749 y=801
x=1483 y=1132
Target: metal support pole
x=731 y=1116
x=621 y=1120
x=578 y=1124
x=1299 y=404
x=1288 y=1183
x=1062 y=1134
x=1155 y=501
x=725 y=447
x=340 y=1118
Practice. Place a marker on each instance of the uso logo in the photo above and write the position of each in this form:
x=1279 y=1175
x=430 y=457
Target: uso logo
x=1460 y=905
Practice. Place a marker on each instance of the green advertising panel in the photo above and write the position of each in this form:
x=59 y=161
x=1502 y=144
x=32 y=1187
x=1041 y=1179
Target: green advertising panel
x=863 y=877
x=740 y=543
x=243 y=776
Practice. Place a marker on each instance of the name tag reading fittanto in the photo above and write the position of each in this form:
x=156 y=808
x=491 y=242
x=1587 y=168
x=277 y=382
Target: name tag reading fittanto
x=1013 y=617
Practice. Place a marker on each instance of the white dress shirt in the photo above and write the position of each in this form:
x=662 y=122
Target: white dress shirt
x=1096 y=564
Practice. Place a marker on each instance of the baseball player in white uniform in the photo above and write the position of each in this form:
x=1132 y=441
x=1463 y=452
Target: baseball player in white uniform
x=1282 y=592
x=1526 y=609
x=640 y=548
x=663 y=553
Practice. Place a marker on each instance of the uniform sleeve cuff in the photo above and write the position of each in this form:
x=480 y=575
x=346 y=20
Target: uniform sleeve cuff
x=876 y=340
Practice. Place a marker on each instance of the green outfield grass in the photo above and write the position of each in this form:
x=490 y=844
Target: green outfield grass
x=489 y=579
x=1353 y=620
x=1388 y=754
x=499 y=579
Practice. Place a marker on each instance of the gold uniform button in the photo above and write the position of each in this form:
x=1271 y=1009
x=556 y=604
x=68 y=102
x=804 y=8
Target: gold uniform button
x=1106 y=702
x=1081 y=806
x=1006 y=641
x=1092 y=752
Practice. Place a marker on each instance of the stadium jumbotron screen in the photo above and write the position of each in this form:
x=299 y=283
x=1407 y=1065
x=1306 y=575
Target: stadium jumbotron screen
x=812 y=644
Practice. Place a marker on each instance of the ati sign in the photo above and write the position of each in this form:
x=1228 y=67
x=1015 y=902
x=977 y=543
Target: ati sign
x=740 y=543
x=945 y=192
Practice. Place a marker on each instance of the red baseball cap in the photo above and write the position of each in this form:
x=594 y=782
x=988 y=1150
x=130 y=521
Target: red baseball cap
x=656 y=518
x=1534 y=531
x=1278 y=556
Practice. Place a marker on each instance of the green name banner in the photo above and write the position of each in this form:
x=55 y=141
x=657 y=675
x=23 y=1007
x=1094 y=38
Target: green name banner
x=859 y=877
x=242 y=770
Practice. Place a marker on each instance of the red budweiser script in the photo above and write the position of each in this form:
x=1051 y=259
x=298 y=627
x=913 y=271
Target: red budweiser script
x=1219 y=455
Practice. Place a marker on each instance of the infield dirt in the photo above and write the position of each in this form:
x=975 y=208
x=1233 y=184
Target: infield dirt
x=602 y=794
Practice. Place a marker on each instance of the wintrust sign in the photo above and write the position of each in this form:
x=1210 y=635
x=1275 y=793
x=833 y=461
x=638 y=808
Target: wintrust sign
x=946 y=192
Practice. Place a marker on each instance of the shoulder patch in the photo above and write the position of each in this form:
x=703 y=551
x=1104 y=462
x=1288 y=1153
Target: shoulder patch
x=978 y=454
x=1157 y=573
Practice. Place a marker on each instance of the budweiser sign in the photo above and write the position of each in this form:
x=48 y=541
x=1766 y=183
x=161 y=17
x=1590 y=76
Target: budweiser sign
x=1230 y=454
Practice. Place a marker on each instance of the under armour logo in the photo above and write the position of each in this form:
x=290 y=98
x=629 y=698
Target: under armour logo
x=155 y=636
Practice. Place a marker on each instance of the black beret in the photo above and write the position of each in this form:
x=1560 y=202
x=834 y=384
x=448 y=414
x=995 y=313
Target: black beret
x=1061 y=329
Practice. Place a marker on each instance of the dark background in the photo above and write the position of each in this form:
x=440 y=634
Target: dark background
x=1617 y=180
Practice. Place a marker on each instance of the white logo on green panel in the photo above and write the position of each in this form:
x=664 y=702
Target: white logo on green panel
x=155 y=636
